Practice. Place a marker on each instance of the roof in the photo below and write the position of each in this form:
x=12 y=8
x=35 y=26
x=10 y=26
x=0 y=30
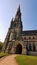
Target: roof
x=30 y=32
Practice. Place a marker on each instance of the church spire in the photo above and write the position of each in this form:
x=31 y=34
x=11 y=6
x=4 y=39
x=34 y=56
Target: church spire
x=18 y=11
x=18 y=14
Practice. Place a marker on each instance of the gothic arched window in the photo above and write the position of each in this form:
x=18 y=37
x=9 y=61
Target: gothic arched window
x=30 y=48
x=33 y=38
x=24 y=38
x=29 y=37
x=33 y=47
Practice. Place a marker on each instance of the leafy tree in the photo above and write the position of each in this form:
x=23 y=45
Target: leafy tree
x=1 y=45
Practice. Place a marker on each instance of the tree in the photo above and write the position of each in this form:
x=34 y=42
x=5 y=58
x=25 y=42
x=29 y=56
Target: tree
x=1 y=45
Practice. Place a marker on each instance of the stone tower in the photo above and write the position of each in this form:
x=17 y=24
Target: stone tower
x=14 y=31
x=18 y=41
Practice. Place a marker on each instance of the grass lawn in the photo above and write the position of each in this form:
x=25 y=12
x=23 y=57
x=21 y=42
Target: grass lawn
x=2 y=54
x=26 y=60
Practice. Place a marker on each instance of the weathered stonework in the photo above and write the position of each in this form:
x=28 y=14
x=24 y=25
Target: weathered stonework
x=18 y=41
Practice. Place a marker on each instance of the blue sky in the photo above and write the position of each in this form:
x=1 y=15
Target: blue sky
x=8 y=10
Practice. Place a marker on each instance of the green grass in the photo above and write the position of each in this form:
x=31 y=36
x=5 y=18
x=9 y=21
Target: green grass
x=26 y=60
x=2 y=54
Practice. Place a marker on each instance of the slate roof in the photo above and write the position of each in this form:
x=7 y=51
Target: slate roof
x=30 y=32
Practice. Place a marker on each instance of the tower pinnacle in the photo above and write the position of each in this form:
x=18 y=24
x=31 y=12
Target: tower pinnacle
x=18 y=11
x=18 y=14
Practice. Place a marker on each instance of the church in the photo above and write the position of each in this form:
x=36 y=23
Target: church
x=18 y=41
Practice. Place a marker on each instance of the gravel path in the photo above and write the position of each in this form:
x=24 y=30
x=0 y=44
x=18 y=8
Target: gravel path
x=9 y=60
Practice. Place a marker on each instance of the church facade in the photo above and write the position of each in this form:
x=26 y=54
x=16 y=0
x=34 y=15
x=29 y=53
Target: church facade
x=18 y=41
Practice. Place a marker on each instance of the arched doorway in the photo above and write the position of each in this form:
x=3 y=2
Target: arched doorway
x=19 y=49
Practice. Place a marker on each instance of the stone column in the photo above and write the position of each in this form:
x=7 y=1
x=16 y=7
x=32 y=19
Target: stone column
x=32 y=45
